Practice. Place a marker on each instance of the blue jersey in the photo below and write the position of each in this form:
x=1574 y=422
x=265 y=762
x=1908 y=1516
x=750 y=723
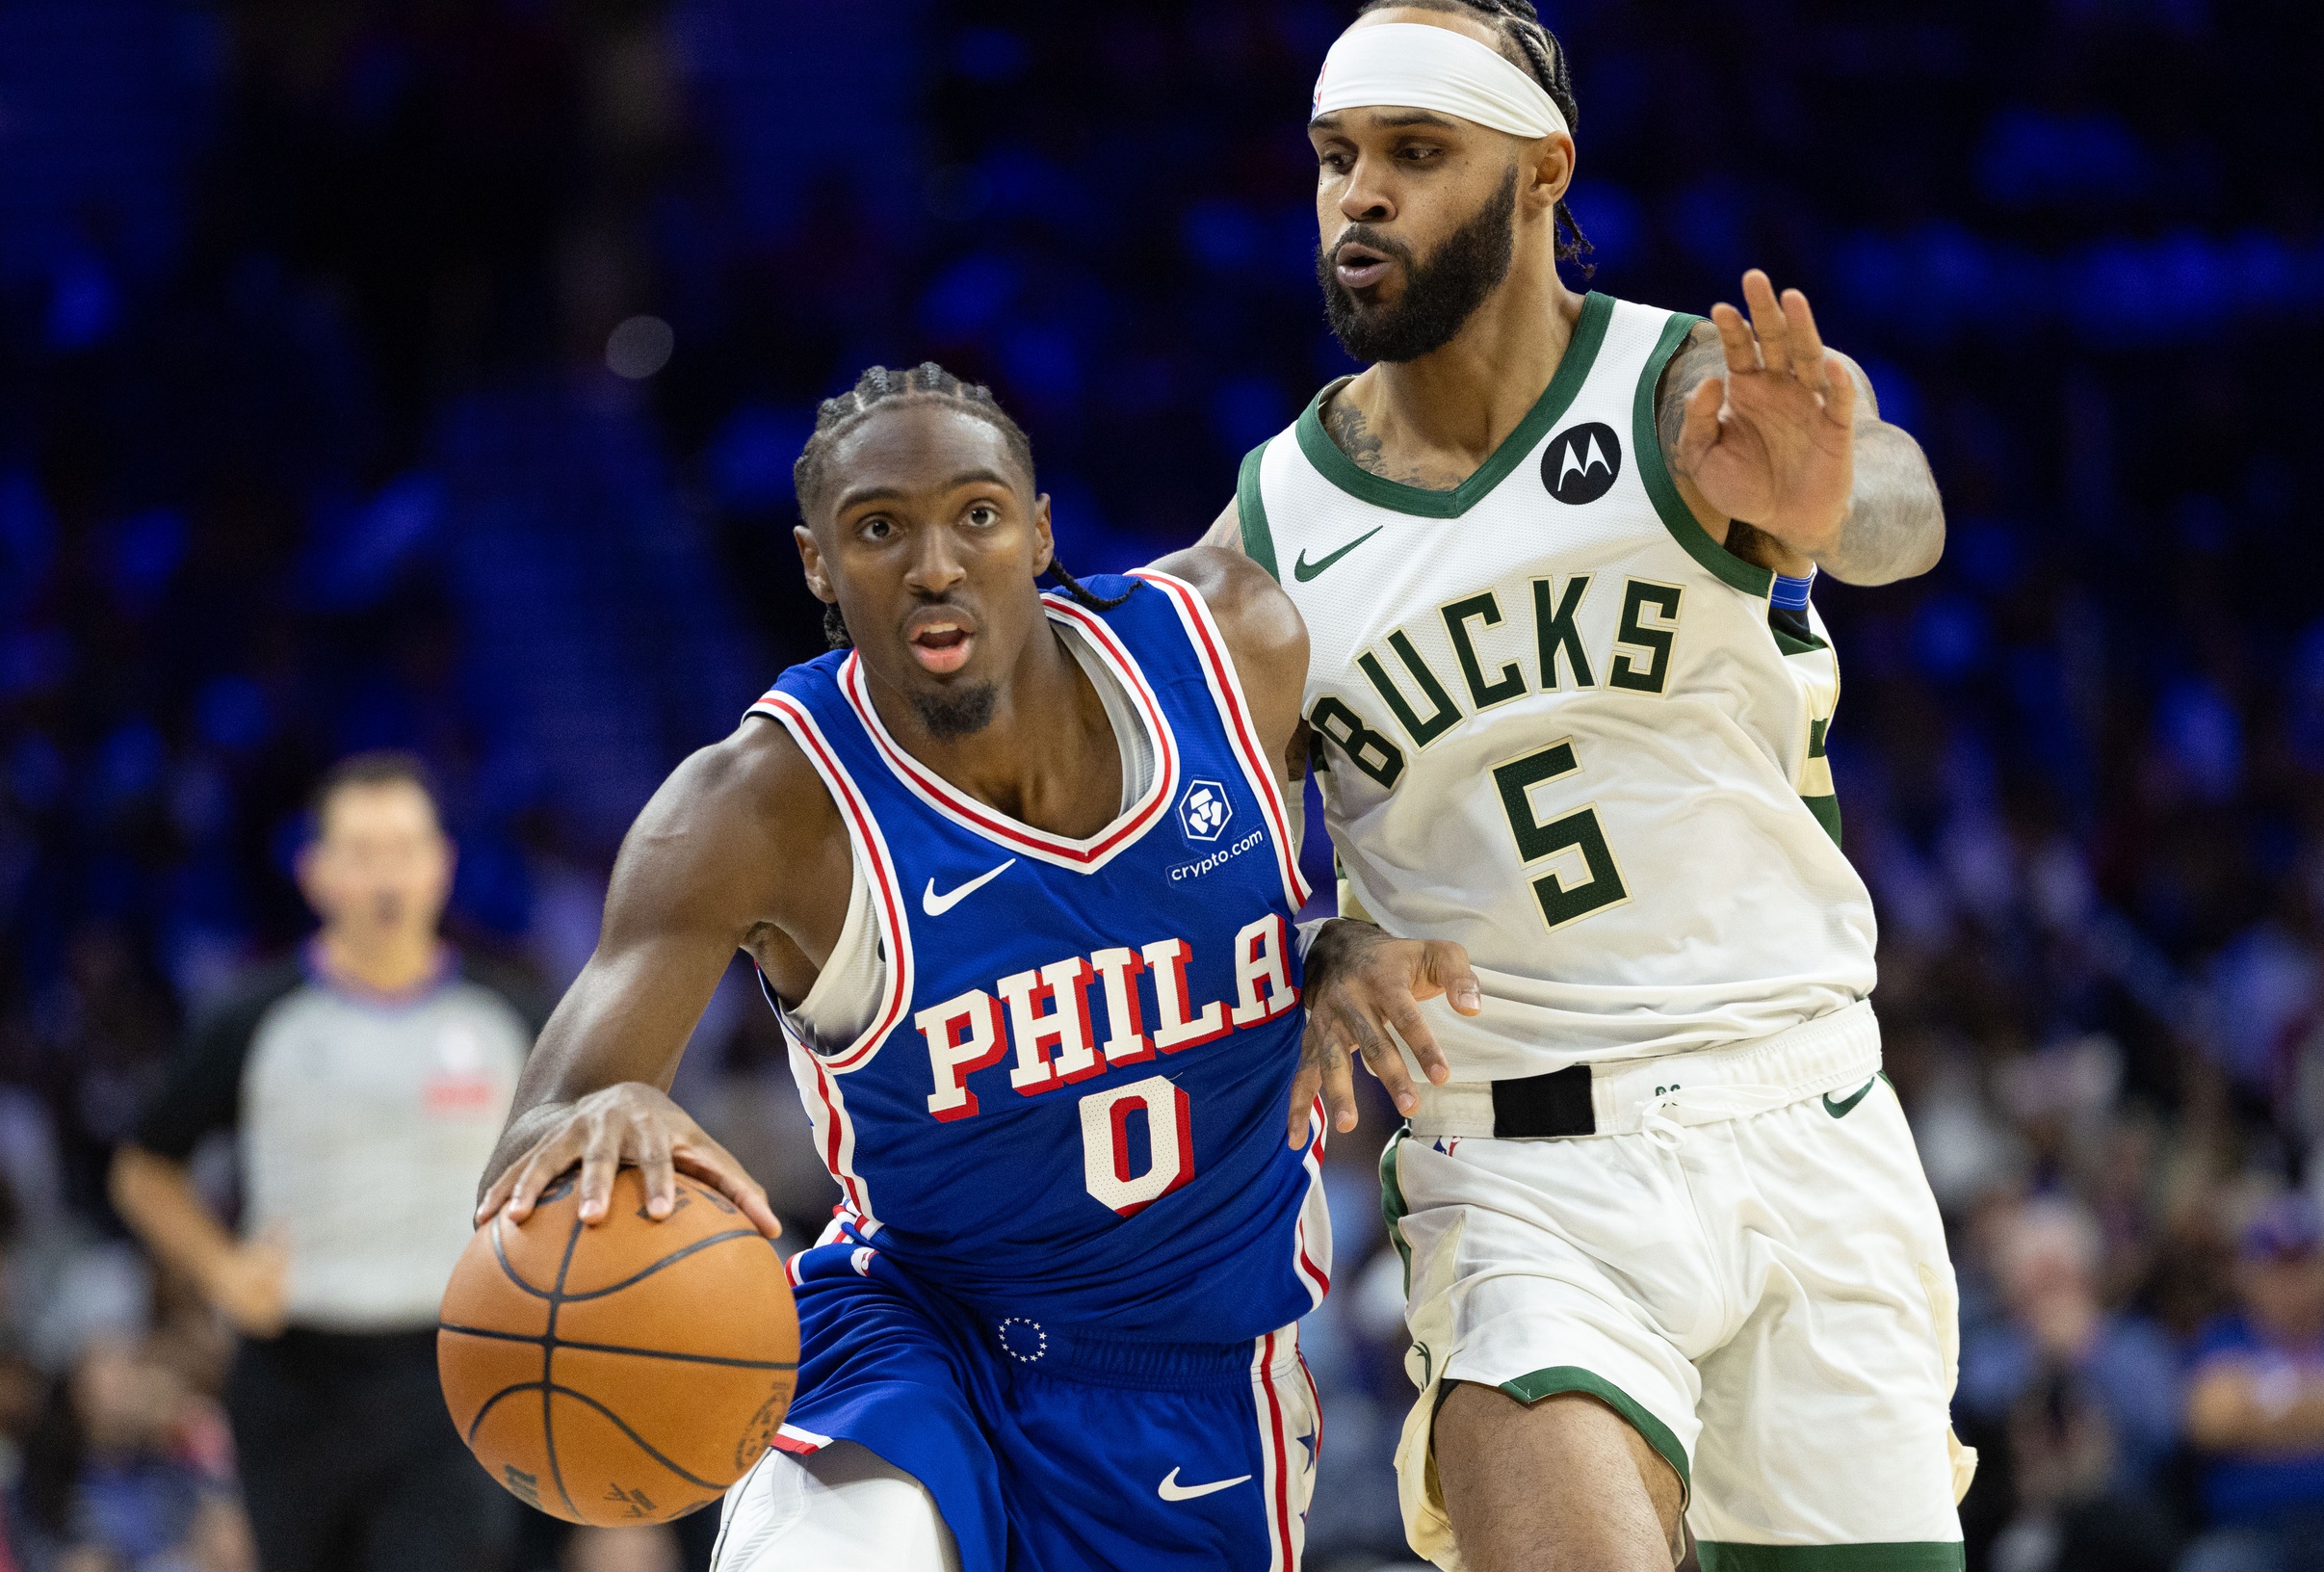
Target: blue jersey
x=1069 y=1106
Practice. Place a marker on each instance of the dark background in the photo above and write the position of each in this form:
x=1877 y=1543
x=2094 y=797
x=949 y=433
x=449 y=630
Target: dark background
x=315 y=436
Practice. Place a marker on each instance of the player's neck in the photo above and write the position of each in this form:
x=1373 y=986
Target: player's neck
x=1048 y=757
x=396 y=962
x=1437 y=418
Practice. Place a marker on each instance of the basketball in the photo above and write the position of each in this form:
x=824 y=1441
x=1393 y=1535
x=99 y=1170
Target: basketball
x=625 y=1373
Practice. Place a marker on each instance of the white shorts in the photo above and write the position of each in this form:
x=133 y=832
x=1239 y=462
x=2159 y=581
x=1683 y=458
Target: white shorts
x=1758 y=1283
x=839 y=1509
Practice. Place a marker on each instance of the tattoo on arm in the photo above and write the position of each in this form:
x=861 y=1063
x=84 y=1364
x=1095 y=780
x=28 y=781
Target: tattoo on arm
x=1698 y=361
x=1895 y=524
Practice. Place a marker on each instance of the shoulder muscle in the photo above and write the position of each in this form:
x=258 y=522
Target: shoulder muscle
x=1264 y=633
x=723 y=842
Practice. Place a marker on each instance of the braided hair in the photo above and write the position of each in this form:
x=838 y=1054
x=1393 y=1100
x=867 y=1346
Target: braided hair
x=1529 y=44
x=924 y=382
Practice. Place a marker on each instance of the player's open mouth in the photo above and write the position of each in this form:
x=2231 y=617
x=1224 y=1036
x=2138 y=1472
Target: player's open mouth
x=941 y=644
x=1359 y=267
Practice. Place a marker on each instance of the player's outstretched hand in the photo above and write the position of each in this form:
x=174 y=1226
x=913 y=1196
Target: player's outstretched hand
x=1359 y=983
x=634 y=1123
x=1773 y=442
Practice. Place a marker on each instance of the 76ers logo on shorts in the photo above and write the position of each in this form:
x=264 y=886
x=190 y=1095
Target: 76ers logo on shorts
x=1204 y=811
x=1580 y=463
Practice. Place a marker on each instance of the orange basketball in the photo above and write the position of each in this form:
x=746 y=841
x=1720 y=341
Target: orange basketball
x=624 y=1373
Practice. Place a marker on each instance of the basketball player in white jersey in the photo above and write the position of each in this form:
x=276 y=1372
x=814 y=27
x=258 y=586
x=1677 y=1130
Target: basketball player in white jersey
x=1671 y=1260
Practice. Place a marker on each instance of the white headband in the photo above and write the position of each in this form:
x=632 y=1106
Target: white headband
x=1412 y=66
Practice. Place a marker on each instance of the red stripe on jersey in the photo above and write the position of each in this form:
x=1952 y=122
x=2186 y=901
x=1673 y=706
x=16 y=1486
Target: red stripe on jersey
x=801 y=725
x=1227 y=690
x=939 y=794
x=835 y=1127
x=1318 y=1280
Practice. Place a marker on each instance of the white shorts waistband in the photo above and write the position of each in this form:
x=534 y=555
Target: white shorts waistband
x=1831 y=1052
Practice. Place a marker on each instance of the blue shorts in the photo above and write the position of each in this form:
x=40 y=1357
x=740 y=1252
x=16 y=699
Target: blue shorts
x=1049 y=1448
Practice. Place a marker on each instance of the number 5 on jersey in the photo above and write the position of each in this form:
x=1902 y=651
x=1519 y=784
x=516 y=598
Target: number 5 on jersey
x=1579 y=832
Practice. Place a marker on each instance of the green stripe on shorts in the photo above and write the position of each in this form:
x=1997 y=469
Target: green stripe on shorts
x=1919 y=1555
x=1392 y=1204
x=1557 y=1379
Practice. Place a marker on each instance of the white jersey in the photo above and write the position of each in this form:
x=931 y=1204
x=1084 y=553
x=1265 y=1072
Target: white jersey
x=1556 y=724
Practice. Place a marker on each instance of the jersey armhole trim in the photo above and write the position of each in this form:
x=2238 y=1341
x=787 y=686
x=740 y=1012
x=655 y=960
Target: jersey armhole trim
x=1251 y=509
x=1234 y=713
x=1677 y=517
x=871 y=849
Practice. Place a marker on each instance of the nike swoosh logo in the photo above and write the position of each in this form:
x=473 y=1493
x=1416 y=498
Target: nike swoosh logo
x=1171 y=1490
x=1840 y=1111
x=936 y=905
x=1304 y=570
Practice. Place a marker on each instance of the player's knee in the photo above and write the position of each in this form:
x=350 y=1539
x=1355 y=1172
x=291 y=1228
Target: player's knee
x=1494 y=1450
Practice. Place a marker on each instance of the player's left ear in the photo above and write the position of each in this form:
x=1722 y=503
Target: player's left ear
x=1547 y=170
x=1044 y=544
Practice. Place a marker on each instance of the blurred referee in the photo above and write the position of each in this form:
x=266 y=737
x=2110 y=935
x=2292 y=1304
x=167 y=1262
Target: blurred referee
x=368 y=1079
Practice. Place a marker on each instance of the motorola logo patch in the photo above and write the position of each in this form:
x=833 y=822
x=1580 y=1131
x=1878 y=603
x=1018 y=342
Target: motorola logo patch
x=1582 y=462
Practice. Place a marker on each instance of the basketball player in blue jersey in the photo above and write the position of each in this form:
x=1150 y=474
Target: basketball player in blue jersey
x=1018 y=875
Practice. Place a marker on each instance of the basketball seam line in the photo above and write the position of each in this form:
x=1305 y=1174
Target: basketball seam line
x=560 y=1297
x=500 y=1253
x=548 y=1358
x=551 y=1388
x=642 y=1444
x=616 y=1347
x=671 y=1259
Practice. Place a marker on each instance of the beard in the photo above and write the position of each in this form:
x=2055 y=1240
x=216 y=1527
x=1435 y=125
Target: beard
x=955 y=714
x=1439 y=294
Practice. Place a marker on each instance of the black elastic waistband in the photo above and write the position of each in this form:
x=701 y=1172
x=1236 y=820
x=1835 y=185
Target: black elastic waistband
x=1555 y=1104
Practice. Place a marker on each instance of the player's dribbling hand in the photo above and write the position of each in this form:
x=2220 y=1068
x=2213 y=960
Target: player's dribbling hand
x=632 y=1123
x=1360 y=983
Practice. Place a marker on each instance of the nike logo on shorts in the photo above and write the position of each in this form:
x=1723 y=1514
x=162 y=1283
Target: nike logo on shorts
x=936 y=905
x=1171 y=1490
x=1842 y=1109
x=1304 y=570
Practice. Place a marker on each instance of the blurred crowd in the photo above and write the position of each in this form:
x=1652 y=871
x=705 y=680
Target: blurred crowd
x=396 y=373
